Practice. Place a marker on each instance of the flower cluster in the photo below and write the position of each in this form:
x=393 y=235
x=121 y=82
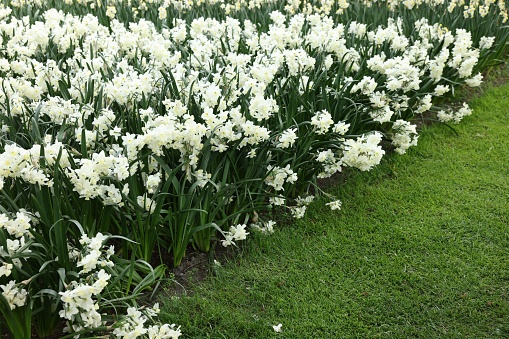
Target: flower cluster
x=133 y=325
x=264 y=227
x=363 y=152
x=404 y=136
x=299 y=210
x=78 y=305
x=279 y=176
x=117 y=117
x=454 y=115
x=234 y=234
x=93 y=256
x=14 y=294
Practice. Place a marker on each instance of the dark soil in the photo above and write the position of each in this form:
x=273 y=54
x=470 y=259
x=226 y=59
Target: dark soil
x=194 y=268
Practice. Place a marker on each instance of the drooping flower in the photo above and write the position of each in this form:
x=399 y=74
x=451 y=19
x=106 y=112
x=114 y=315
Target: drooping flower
x=15 y=295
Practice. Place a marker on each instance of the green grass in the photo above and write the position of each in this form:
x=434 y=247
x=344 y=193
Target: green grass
x=419 y=250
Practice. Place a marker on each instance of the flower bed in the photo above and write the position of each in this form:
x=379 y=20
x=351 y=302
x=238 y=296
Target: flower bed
x=133 y=127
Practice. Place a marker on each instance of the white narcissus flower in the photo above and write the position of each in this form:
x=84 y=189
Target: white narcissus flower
x=94 y=256
x=261 y=108
x=228 y=240
x=424 y=104
x=364 y=152
x=334 y=205
x=148 y=204
x=162 y=13
x=358 y=29
x=153 y=182
x=5 y=269
x=266 y=227
x=234 y=234
x=239 y=232
x=325 y=156
x=278 y=176
x=304 y=201
x=454 y=116
x=441 y=90
x=287 y=138
x=475 y=81
x=111 y=11
x=366 y=86
x=90 y=261
x=16 y=227
x=165 y=331
x=269 y=226
x=341 y=128
x=486 y=42
x=202 y=177
x=277 y=201
x=15 y=296
x=298 y=211
x=322 y=121
x=404 y=136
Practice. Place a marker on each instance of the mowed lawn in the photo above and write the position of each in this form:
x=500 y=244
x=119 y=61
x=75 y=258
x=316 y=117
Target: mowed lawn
x=420 y=249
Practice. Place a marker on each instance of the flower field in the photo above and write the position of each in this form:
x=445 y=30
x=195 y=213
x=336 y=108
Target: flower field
x=133 y=129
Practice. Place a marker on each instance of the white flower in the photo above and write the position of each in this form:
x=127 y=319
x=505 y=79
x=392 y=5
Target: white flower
x=278 y=176
x=445 y=116
x=441 y=90
x=278 y=328
x=90 y=261
x=325 y=156
x=366 y=86
x=277 y=201
x=486 y=42
x=13 y=248
x=464 y=110
x=358 y=29
x=474 y=81
x=15 y=296
x=145 y=202
x=96 y=242
x=454 y=116
x=239 y=232
x=202 y=177
x=235 y=233
x=269 y=227
x=116 y=132
x=363 y=153
x=261 y=108
x=16 y=227
x=334 y=205
x=341 y=128
x=424 y=104
x=165 y=331
x=111 y=11
x=304 y=201
x=228 y=240
x=287 y=138
x=322 y=121
x=5 y=269
x=162 y=13
x=94 y=256
x=404 y=136
x=298 y=211
x=153 y=182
